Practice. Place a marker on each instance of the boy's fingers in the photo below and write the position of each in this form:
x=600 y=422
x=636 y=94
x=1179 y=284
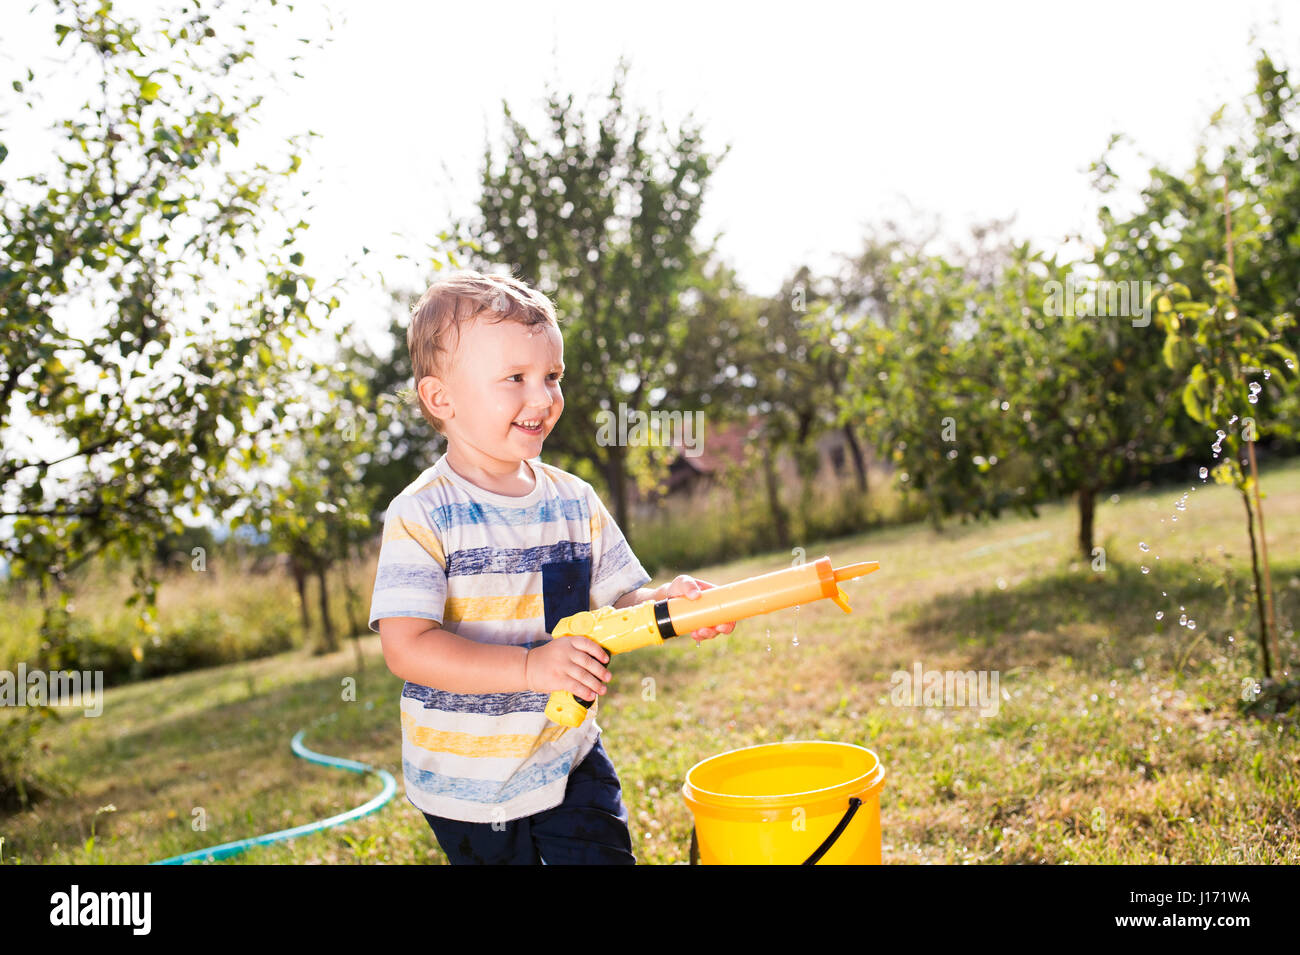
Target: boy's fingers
x=593 y=666
x=589 y=687
x=593 y=648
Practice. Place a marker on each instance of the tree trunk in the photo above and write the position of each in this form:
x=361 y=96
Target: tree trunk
x=300 y=581
x=1087 y=509
x=616 y=475
x=327 y=625
x=859 y=463
x=779 y=518
x=1259 y=589
x=356 y=628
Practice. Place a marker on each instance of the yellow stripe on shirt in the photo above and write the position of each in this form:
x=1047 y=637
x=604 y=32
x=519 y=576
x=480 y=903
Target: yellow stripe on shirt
x=496 y=608
x=399 y=529
x=504 y=745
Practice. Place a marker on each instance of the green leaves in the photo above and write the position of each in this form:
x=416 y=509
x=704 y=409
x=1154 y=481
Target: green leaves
x=1197 y=396
x=1177 y=351
x=79 y=228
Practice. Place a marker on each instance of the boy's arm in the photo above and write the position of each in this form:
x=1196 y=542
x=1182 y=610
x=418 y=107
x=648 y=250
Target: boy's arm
x=638 y=596
x=419 y=651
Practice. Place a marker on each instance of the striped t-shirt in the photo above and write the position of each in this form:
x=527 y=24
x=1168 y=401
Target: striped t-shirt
x=501 y=570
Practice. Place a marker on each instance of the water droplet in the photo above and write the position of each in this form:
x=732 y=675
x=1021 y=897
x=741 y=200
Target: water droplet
x=1232 y=420
x=1255 y=388
x=1290 y=363
x=1145 y=569
x=1143 y=546
x=1253 y=399
x=952 y=454
x=1160 y=615
x=1267 y=374
x=1204 y=472
x=1191 y=624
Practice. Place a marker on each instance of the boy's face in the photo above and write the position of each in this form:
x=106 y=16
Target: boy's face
x=502 y=376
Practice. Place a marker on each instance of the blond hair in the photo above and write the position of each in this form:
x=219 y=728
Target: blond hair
x=459 y=298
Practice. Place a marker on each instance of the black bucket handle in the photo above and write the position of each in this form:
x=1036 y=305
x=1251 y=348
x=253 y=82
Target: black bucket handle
x=854 y=804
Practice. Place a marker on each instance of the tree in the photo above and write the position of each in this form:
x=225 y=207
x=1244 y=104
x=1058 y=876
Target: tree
x=1086 y=389
x=1177 y=230
x=604 y=228
x=927 y=372
x=403 y=439
x=132 y=377
x=148 y=407
x=1225 y=354
x=320 y=516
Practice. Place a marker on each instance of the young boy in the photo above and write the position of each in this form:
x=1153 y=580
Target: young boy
x=482 y=555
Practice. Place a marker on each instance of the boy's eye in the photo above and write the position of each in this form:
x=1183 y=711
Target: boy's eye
x=554 y=375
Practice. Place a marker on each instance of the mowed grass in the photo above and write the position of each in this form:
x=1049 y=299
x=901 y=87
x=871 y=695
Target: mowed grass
x=1117 y=738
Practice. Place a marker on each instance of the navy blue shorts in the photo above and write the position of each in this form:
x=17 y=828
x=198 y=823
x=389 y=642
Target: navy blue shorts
x=588 y=828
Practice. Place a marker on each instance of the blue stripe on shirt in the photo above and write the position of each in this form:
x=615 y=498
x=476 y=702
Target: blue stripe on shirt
x=505 y=560
x=488 y=791
x=489 y=704
x=407 y=577
x=447 y=516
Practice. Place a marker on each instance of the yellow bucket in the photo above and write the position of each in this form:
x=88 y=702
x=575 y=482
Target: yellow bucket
x=787 y=803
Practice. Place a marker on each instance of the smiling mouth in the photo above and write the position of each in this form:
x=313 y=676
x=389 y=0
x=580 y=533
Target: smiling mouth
x=536 y=429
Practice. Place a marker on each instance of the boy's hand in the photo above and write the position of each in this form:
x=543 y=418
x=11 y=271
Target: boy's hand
x=572 y=663
x=684 y=585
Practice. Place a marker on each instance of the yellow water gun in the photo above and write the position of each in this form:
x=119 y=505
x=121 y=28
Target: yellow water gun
x=654 y=621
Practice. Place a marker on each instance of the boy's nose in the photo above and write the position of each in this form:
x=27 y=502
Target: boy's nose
x=542 y=404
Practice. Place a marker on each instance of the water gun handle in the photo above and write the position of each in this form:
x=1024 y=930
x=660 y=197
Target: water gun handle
x=619 y=630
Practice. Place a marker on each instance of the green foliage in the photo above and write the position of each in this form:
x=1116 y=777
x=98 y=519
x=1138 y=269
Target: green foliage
x=143 y=220
x=21 y=783
x=1230 y=359
x=321 y=516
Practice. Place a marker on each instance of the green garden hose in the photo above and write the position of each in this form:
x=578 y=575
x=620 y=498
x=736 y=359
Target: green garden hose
x=229 y=849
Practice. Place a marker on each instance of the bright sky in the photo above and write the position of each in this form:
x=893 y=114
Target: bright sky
x=838 y=114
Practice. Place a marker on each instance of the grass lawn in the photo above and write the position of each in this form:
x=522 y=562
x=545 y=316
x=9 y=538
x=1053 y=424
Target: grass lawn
x=1117 y=737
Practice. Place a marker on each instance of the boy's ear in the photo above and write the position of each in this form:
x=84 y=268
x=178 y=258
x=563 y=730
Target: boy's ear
x=433 y=394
